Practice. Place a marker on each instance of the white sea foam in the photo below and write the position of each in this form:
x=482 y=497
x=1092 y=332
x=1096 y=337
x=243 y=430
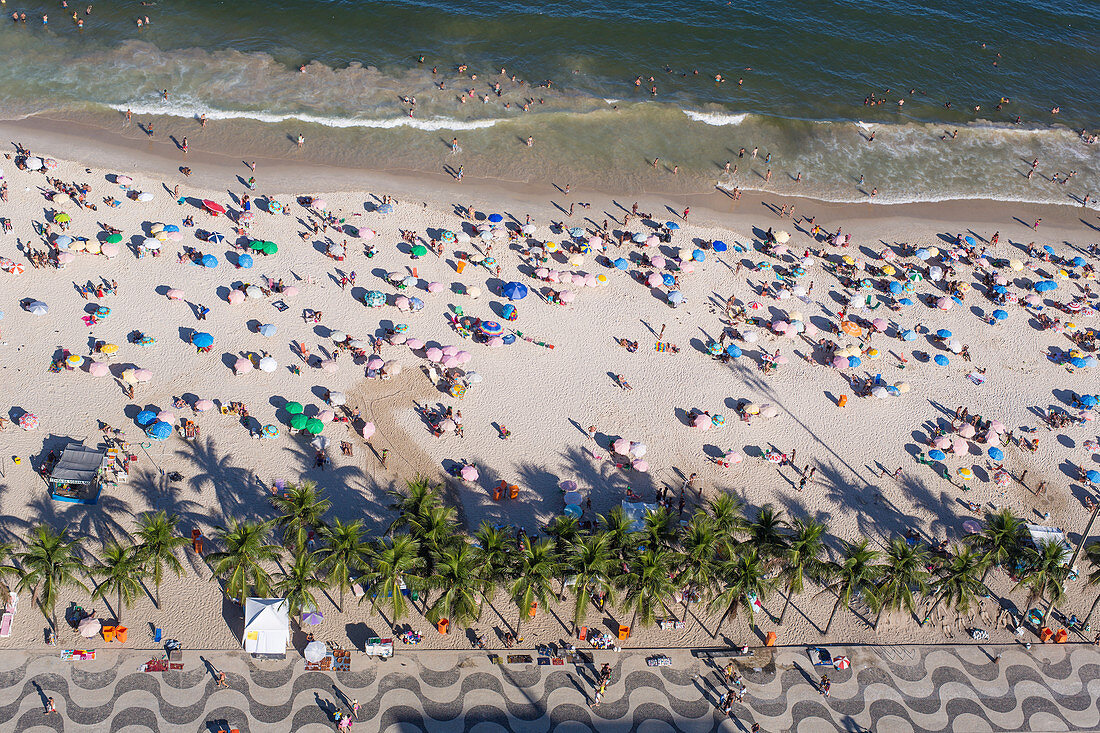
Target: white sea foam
x=193 y=112
x=716 y=119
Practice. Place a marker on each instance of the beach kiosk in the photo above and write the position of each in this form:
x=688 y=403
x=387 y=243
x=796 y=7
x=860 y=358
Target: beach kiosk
x=75 y=477
x=266 y=626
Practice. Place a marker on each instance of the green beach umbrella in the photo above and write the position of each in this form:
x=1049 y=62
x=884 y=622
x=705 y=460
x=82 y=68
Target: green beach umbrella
x=114 y=239
x=419 y=250
x=295 y=408
x=314 y=426
x=299 y=421
x=256 y=246
x=270 y=248
x=62 y=218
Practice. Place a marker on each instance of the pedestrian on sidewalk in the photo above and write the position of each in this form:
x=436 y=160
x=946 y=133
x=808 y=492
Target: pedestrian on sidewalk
x=51 y=707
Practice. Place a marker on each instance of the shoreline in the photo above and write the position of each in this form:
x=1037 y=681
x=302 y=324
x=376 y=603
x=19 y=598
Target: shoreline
x=101 y=146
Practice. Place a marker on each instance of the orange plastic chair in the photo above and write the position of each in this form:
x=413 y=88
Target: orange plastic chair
x=514 y=492
x=583 y=634
x=534 y=609
x=498 y=491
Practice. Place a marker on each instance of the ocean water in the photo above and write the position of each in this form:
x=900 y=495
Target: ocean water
x=806 y=73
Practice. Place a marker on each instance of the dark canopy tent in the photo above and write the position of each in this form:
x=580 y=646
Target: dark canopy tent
x=75 y=477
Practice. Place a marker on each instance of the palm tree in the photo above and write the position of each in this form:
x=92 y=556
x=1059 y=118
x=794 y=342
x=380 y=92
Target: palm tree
x=854 y=574
x=805 y=557
x=493 y=552
x=247 y=546
x=960 y=582
x=456 y=576
x=621 y=537
x=1092 y=552
x=591 y=563
x=648 y=584
x=418 y=497
x=766 y=533
x=49 y=565
x=741 y=576
x=565 y=531
x=302 y=507
x=120 y=571
x=1001 y=539
x=534 y=571
x=436 y=531
x=660 y=528
x=729 y=522
x=6 y=570
x=395 y=564
x=1045 y=570
x=902 y=577
x=698 y=544
x=158 y=542
x=345 y=553
x=298 y=582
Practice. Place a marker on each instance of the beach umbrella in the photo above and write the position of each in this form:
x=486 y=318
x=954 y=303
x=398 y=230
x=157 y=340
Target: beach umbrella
x=314 y=426
x=943 y=333
x=215 y=237
x=703 y=422
x=383 y=209
x=202 y=339
x=367 y=431
x=434 y=354
x=954 y=346
x=414 y=344
x=294 y=408
x=967 y=430
x=960 y=447
x=267 y=329
x=469 y=473
x=942 y=360
x=244 y=260
x=671 y=225
x=640 y=465
x=698 y=255
x=102 y=311
x=253 y=291
x=151 y=243
x=965 y=473
x=337 y=398
x=99 y=369
x=621 y=446
x=1093 y=475
x=167 y=416
x=719 y=245
x=329 y=366
x=996 y=453
x=942 y=442
x=203 y=405
x=374 y=299
x=74 y=360
x=854 y=361
x=209 y=261
x=733 y=350
x=418 y=250
x=242 y=365
x=1000 y=315
x=89 y=627
x=37 y=308
x=268 y=364
x=326 y=415
x=768 y=411
x=922 y=254
x=142 y=375
x=235 y=297
x=269 y=431
x=434 y=287
x=909 y=335
x=159 y=431
x=514 y=291
x=299 y=421
x=489 y=329
x=63 y=241
x=654 y=280
x=621 y=264
x=145 y=417
x=675 y=297
x=937 y=455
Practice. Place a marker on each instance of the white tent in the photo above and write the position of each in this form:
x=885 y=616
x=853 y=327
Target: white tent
x=635 y=514
x=266 y=626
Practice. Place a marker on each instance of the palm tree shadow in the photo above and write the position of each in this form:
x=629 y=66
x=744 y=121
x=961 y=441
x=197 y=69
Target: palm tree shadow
x=237 y=493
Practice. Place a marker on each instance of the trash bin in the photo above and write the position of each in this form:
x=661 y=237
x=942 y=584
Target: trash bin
x=108 y=633
x=624 y=632
x=413 y=595
x=1044 y=634
x=534 y=609
x=442 y=625
x=121 y=633
x=770 y=639
x=1061 y=636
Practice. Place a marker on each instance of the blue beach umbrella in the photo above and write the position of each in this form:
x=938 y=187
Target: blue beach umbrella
x=719 y=245
x=514 y=291
x=698 y=255
x=937 y=455
x=922 y=254
x=675 y=297
x=943 y=333
x=905 y=301
x=215 y=237
x=385 y=209
x=1000 y=315
x=576 y=232
x=209 y=261
x=1078 y=261
x=202 y=340
x=268 y=329
x=854 y=361
x=171 y=228
x=909 y=335
x=1078 y=362
x=1093 y=475
x=621 y=264
x=640 y=238
x=942 y=360
x=668 y=280
x=496 y=218
x=1049 y=249
x=244 y=261
x=1087 y=400
x=1000 y=290
x=895 y=287
x=970 y=240
x=145 y=417
x=996 y=453
x=1045 y=285
x=672 y=225
x=159 y=430
x=733 y=350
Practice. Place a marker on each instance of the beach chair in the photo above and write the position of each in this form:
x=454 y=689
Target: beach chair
x=5 y=624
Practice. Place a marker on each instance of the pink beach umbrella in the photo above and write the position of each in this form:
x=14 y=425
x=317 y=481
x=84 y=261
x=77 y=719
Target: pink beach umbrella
x=960 y=447
x=435 y=287
x=414 y=343
x=447 y=425
x=553 y=276
x=398 y=338
x=879 y=324
x=329 y=366
x=142 y=375
x=967 y=430
x=98 y=369
x=590 y=281
x=997 y=427
x=450 y=362
x=243 y=365
x=733 y=457
x=621 y=446
x=780 y=326
x=654 y=280
x=367 y=234
x=703 y=422
x=109 y=250
x=326 y=415
x=434 y=353
x=566 y=278
x=463 y=357
x=65 y=258
x=469 y=473
x=235 y=297
x=542 y=273
x=402 y=303
x=375 y=363
x=640 y=465
x=495 y=342
x=367 y=431
x=658 y=262
x=290 y=291
x=652 y=240
x=204 y=405
x=167 y=416
x=942 y=442
x=840 y=362
x=175 y=294
x=567 y=296
x=450 y=350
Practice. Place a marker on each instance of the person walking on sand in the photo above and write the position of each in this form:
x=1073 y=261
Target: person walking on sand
x=1035 y=226
x=301 y=140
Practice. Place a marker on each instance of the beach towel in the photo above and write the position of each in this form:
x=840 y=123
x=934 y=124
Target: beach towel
x=663 y=346
x=976 y=378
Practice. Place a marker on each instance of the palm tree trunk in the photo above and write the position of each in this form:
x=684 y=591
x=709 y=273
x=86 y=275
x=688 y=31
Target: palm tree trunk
x=118 y=611
x=786 y=602
x=157 y=601
x=341 y=598
x=831 y=615
x=878 y=617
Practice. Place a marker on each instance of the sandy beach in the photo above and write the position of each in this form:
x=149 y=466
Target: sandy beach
x=866 y=482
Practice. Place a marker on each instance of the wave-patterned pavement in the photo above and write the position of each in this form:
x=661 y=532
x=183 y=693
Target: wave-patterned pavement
x=942 y=688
